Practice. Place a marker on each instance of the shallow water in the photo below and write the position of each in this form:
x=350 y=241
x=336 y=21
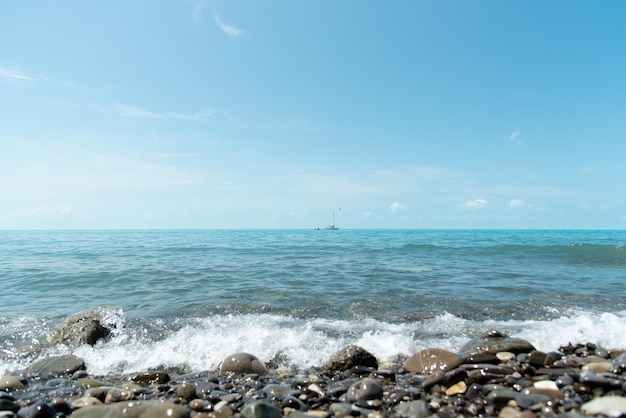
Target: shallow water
x=194 y=296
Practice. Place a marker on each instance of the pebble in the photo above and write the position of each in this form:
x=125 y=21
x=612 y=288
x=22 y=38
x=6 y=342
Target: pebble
x=365 y=389
x=10 y=383
x=458 y=388
x=432 y=360
x=242 y=363
x=506 y=384
x=611 y=406
x=135 y=409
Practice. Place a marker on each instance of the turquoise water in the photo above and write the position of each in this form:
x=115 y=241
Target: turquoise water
x=396 y=290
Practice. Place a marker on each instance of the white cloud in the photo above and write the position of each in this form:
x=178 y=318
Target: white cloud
x=517 y=203
x=227 y=29
x=396 y=206
x=516 y=136
x=475 y=204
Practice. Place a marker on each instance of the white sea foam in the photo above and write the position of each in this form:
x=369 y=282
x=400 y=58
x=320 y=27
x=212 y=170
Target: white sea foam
x=202 y=343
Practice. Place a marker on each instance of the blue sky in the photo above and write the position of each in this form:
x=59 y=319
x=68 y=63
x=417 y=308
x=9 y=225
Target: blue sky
x=233 y=114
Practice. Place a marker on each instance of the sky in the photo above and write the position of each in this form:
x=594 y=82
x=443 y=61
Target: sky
x=248 y=114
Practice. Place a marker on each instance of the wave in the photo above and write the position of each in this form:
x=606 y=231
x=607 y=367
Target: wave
x=200 y=343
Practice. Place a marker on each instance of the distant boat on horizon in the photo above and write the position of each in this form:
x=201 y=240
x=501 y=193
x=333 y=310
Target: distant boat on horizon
x=332 y=227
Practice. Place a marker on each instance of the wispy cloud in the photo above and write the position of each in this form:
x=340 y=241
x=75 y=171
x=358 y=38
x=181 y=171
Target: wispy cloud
x=228 y=29
x=10 y=74
x=517 y=203
x=475 y=204
x=128 y=111
x=516 y=136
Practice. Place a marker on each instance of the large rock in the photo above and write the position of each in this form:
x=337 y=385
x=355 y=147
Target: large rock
x=87 y=327
x=134 y=409
x=431 y=360
x=66 y=364
x=242 y=363
x=495 y=342
x=349 y=357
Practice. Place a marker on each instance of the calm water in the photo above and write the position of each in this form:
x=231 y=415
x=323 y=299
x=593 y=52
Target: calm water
x=192 y=297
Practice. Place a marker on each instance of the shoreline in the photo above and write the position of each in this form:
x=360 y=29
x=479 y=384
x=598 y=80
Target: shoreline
x=494 y=375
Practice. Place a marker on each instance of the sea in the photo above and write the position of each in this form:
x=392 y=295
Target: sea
x=190 y=298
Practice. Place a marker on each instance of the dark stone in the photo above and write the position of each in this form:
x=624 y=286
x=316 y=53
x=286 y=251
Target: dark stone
x=85 y=327
x=494 y=342
x=482 y=358
x=293 y=403
x=350 y=357
x=537 y=358
x=134 y=409
x=186 y=391
x=8 y=405
x=260 y=409
x=365 y=389
x=454 y=376
x=66 y=364
x=242 y=363
x=158 y=377
x=435 y=378
x=39 y=409
x=474 y=391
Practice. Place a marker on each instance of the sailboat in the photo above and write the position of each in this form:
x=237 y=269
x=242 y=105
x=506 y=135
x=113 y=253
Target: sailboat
x=332 y=227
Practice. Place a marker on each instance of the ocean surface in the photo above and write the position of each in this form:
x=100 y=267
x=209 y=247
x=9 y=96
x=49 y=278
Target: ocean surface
x=191 y=297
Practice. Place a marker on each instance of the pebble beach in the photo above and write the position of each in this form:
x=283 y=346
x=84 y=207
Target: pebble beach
x=493 y=375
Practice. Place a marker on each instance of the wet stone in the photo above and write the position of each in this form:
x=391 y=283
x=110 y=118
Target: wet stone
x=365 y=389
x=458 y=388
x=66 y=364
x=158 y=377
x=242 y=363
x=38 y=410
x=434 y=379
x=260 y=409
x=200 y=405
x=564 y=380
x=598 y=367
x=134 y=409
x=493 y=343
x=431 y=360
x=592 y=379
x=504 y=356
x=8 y=405
x=294 y=403
x=10 y=383
x=186 y=391
x=350 y=357
x=87 y=327
x=537 y=358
